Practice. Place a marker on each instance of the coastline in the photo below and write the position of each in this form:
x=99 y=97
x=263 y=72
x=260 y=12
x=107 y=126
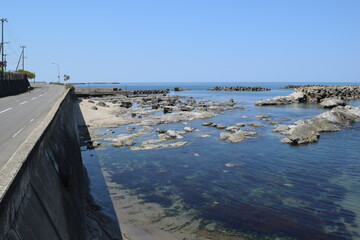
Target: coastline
x=140 y=220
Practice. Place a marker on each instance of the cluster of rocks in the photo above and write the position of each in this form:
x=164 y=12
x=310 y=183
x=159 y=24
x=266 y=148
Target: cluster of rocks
x=155 y=91
x=308 y=130
x=317 y=93
x=233 y=134
x=239 y=88
x=163 y=136
x=301 y=86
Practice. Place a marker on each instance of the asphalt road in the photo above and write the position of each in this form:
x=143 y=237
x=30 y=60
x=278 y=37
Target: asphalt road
x=20 y=114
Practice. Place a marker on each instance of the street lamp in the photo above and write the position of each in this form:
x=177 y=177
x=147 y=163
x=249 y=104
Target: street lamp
x=58 y=71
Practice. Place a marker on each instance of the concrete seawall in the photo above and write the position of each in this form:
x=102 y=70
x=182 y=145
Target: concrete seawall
x=13 y=84
x=43 y=186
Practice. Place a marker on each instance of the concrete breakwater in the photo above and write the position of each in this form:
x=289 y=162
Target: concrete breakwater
x=43 y=187
x=14 y=83
x=301 y=86
x=155 y=91
x=239 y=88
x=317 y=93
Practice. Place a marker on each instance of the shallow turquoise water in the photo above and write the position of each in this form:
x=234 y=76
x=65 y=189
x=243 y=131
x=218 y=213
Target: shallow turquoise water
x=303 y=192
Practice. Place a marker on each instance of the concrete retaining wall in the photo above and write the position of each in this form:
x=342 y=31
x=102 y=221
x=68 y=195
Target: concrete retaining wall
x=43 y=186
x=14 y=83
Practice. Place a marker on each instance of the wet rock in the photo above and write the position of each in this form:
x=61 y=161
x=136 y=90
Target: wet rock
x=261 y=116
x=254 y=124
x=186 y=108
x=93 y=145
x=126 y=104
x=162 y=131
x=235 y=137
x=220 y=126
x=129 y=143
x=240 y=124
x=172 y=133
x=331 y=103
x=168 y=110
x=117 y=145
x=94 y=108
x=189 y=129
x=232 y=129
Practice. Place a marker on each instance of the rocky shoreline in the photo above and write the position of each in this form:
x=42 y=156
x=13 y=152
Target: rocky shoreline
x=146 y=116
x=239 y=88
x=154 y=110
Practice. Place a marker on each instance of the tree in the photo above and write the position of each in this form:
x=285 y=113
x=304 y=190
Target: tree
x=29 y=75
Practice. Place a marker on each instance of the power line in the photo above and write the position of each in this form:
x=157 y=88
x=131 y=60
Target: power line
x=12 y=34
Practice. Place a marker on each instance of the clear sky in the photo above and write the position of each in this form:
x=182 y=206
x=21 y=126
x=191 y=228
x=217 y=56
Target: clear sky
x=186 y=40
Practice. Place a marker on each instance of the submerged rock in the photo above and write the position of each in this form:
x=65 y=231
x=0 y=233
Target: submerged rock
x=254 y=124
x=176 y=117
x=204 y=136
x=158 y=146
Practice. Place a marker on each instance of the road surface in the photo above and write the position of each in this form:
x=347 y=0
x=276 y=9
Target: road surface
x=21 y=114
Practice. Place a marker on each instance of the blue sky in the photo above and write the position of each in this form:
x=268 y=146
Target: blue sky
x=186 y=40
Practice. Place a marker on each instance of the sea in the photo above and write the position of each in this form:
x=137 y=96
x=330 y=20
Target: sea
x=256 y=189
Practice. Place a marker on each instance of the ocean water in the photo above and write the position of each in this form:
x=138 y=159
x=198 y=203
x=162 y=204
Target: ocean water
x=259 y=188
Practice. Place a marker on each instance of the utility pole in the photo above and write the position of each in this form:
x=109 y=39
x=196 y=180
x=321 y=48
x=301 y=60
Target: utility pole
x=5 y=62
x=2 y=47
x=23 y=57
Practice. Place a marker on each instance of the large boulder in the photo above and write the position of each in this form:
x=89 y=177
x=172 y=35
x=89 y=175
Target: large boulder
x=294 y=97
x=331 y=103
x=308 y=130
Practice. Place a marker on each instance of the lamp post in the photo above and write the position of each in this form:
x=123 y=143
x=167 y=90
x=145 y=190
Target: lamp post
x=58 y=71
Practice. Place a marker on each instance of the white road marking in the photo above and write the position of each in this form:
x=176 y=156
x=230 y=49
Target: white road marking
x=23 y=102
x=18 y=132
x=34 y=98
x=5 y=110
x=35 y=117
